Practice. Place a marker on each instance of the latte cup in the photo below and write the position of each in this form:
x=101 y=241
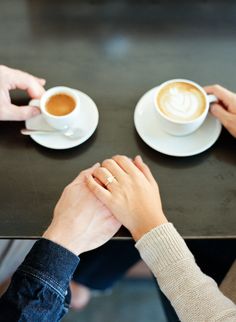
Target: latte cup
x=172 y=123
x=59 y=122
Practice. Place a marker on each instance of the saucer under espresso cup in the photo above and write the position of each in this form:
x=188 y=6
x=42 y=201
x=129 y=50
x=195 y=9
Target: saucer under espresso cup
x=181 y=106
x=152 y=133
x=87 y=120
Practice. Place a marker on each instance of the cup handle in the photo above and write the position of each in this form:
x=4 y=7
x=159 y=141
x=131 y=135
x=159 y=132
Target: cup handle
x=35 y=103
x=212 y=99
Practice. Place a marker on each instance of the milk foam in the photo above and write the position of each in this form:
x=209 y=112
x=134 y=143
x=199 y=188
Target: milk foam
x=181 y=101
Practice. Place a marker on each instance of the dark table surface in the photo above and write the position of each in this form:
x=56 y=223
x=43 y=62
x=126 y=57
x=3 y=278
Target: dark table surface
x=115 y=51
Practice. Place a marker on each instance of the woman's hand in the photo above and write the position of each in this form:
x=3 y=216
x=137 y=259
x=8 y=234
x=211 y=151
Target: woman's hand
x=225 y=109
x=11 y=79
x=133 y=195
x=81 y=222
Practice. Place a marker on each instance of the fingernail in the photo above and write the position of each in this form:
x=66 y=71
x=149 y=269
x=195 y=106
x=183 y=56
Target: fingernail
x=96 y=165
x=42 y=81
x=140 y=158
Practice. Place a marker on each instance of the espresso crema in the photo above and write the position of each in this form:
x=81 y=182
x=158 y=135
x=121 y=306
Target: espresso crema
x=60 y=104
x=181 y=101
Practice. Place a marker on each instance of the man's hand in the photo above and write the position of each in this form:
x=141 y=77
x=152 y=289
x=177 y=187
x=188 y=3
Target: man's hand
x=81 y=222
x=225 y=109
x=11 y=79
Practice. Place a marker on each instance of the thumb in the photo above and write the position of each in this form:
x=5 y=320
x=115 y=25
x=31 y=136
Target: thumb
x=21 y=113
x=100 y=192
x=220 y=113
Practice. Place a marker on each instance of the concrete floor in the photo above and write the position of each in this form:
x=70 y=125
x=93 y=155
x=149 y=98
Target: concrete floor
x=131 y=300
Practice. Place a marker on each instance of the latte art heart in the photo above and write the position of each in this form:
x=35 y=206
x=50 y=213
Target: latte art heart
x=181 y=101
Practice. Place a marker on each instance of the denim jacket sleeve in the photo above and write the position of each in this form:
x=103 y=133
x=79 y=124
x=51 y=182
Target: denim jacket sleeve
x=39 y=290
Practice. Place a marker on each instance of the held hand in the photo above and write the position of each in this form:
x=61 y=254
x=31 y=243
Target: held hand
x=11 y=79
x=133 y=195
x=225 y=109
x=81 y=222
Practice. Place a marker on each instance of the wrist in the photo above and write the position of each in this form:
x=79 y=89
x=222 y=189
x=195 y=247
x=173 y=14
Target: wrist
x=63 y=238
x=145 y=227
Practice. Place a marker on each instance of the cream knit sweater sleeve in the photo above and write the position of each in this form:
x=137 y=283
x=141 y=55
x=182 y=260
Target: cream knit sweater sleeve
x=194 y=295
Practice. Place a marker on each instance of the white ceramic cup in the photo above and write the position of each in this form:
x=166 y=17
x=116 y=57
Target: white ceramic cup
x=180 y=128
x=62 y=122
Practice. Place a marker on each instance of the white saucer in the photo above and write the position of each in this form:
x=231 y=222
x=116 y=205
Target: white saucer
x=88 y=121
x=148 y=128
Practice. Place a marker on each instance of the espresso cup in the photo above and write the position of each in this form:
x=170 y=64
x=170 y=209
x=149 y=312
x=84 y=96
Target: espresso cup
x=59 y=119
x=181 y=106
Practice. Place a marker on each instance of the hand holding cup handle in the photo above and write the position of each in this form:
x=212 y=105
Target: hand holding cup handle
x=212 y=98
x=11 y=79
x=224 y=109
x=35 y=103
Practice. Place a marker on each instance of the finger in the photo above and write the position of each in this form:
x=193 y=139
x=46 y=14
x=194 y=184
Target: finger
x=42 y=81
x=221 y=93
x=226 y=118
x=221 y=114
x=231 y=126
x=25 y=81
x=144 y=169
x=83 y=174
x=100 y=192
x=93 y=167
x=114 y=169
x=103 y=175
x=126 y=164
x=20 y=113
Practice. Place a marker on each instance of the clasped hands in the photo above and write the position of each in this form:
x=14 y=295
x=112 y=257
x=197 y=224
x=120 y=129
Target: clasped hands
x=89 y=213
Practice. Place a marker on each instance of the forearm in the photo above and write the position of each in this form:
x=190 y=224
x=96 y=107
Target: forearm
x=39 y=288
x=194 y=295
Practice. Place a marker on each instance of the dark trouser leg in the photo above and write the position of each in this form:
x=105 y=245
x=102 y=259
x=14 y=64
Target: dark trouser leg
x=101 y=268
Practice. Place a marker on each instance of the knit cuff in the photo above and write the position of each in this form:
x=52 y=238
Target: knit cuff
x=162 y=247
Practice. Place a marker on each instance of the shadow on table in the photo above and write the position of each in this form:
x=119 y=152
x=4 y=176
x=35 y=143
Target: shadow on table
x=66 y=153
x=223 y=149
x=169 y=161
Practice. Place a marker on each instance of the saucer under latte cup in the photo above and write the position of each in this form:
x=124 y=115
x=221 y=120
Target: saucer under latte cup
x=181 y=106
x=60 y=120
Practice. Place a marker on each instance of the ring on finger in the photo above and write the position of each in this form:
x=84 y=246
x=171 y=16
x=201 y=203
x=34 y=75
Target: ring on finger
x=109 y=180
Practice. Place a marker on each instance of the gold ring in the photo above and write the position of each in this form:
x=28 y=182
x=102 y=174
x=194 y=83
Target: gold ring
x=109 y=180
